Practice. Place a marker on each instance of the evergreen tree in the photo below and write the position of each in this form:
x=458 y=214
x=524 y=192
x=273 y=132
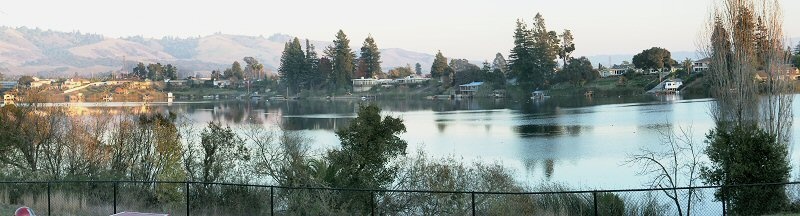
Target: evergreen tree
x=418 y=69
x=439 y=65
x=170 y=72
x=500 y=63
x=371 y=57
x=292 y=65
x=311 y=75
x=237 y=71
x=325 y=70
x=155 y=72
x=567 y=46
x=545 y=52
x=140 y=71
x=521 y=59
x=342 y=62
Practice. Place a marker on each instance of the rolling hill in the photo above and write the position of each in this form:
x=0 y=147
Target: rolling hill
x=27 y=51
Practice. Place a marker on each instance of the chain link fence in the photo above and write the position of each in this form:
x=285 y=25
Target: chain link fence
x=197 y=198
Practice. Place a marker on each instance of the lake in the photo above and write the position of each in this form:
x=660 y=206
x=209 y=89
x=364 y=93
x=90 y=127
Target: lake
x=582 y=142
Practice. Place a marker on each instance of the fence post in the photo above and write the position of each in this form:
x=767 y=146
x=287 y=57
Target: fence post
x=271 y=200
x=594 y=197
x=724 y=200
x=115 y=197
x=186 y=190
x=473 y=202
x=49 y=212
x=372 y=201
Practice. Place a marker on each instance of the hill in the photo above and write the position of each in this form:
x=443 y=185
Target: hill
x=29 y=51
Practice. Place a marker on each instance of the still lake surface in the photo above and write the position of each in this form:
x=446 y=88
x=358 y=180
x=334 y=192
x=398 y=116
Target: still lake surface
x=581 y=142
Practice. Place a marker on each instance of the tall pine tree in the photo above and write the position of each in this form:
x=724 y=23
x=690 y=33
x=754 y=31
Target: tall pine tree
x=311 y=76
x=342 y=62
x=292 y=65
x=439 y=66
x=533 y=57
x=520 y=60
x=371 y=57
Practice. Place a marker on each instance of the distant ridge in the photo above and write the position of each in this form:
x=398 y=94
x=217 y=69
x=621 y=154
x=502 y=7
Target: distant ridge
x=33 y=51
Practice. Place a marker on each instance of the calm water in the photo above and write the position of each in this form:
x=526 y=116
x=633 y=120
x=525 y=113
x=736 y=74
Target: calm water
x=578 y=141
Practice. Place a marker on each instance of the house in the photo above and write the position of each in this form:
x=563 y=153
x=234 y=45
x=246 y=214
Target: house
x=673 y=84
x=791 y=73
x=222 y=83
x=40 y=82
x=617 y=70
x=469 y=88
x=362 y=82
x=73 y=83
x=412 y=79
x=663 y=70
x=701 y=65
x=177 y=83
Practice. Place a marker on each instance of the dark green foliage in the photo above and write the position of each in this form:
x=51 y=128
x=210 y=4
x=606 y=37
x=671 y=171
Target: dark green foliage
x=417 y=69
x=439 y=66
x=312 y=76
x=654 y=58
x=140 y=71
x=579 y=71
x=610 y=204
x=293 y=65
x=567 y=46
x=221 y=147
x=747 y=155
x=368 y=144
x=533 y=57
x=371 y=57
x=25 y=80
x=342 y=62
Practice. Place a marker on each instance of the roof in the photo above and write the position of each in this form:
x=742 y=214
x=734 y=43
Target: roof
x=706 y=60
x=622 y=66
x=471 y=84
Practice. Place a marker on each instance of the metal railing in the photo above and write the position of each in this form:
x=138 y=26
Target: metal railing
x=90 y=197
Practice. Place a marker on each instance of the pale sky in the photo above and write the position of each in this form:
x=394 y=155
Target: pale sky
x=459 y=28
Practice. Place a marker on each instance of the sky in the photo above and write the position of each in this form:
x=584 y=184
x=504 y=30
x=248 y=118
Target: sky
x=462 y=28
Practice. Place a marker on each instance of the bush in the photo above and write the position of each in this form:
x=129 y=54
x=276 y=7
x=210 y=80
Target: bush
x=747 y=155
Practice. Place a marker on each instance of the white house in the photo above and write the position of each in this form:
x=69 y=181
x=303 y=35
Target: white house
x=673 y=85
x=40 y=82
x=222 y=83
x=701 y=65
x=617 y=70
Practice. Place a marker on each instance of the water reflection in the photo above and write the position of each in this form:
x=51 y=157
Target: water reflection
x=559 y=139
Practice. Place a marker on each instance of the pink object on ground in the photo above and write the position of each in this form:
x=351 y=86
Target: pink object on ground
x=24 y=211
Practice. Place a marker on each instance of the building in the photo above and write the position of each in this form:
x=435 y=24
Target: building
x=73 y=83
x=792 y=73
x=673 y=84
x=617 y=70
x=701 y=65
x=40 y=82
x=362 y=82
x=411 y=80
x=469 y=88
x=222 y=83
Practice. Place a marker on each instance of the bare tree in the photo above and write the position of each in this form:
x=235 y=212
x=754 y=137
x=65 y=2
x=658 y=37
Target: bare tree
x=678 y=166
x=744 y=40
